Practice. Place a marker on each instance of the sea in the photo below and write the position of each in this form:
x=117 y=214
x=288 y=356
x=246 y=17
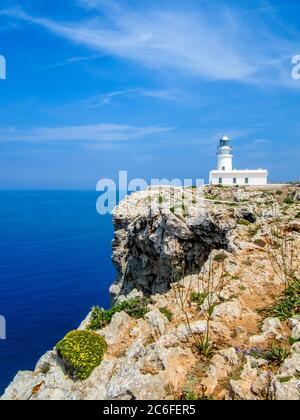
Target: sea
x=55 y=264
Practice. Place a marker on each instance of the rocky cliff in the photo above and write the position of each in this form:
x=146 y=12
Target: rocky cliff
x=157 y=238
x=178 y=259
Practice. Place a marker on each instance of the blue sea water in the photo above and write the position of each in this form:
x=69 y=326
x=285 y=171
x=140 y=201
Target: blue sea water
x=55 y=264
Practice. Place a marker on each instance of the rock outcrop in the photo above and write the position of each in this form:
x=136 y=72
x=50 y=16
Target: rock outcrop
x=154 y=244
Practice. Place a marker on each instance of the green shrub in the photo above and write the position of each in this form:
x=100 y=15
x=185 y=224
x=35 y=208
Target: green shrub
x=189 y=395
x=297 y=215
x=136 y=308
x=277 y=354
x=244 y=222
x=220 y=257
x=293 y=340
x=81 y=352
x=179 y=210
x=253 y=231
x=287 y=306
x=210 y=196
x=166 y=312
x=283 y=379
x=288 y=200
x=99 y=318
x=274 y=355
x=198 y=298
x=226 y=203
x=160 y=199
x=205 y=348
x=260 y=242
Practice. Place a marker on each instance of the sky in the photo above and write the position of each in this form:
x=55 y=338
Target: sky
x=97 y=86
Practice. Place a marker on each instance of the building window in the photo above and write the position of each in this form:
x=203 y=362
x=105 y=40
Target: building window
x=246 y=180
x=220 y=181
x=234 y=180
x=223 y=168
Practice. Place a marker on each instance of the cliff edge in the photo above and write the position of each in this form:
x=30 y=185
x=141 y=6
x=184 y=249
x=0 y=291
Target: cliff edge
x=205 y=304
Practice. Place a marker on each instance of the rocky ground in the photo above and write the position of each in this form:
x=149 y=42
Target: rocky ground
x=218 y=249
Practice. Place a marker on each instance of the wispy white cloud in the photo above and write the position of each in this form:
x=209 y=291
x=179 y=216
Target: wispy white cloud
x=210 y=43
x=104 y=99
x=109 y=5
x=84 y=133
x=214 y=46
x=72 y=60
x=168 y=94
x=100 y=100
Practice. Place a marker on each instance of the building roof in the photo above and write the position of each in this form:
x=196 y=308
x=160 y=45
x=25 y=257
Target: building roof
x=237 y=171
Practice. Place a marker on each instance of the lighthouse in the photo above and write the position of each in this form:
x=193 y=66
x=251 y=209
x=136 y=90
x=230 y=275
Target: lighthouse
x=226 y=175
x=224 y=154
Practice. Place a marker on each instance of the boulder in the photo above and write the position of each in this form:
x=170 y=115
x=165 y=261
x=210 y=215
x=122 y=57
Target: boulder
x=157 y=321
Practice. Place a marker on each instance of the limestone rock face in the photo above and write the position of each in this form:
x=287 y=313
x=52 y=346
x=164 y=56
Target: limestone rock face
x=157 y=321
x=295 y=325
x=153 y=244
x=158 y=251
x=271 y=329
x=286 y=385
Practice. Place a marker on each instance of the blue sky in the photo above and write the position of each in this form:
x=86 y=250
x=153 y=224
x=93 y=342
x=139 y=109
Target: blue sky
x=148 y=86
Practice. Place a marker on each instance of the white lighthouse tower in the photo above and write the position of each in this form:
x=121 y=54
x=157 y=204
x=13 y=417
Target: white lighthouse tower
x=224 y=155
x=226 y=175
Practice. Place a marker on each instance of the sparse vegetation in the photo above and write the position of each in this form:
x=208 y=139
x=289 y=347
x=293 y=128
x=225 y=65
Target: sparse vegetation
x=220 y=257
x=276 y=355
x=166 y=312
x=281 y=254
x=179 y=210
x=212 y=285
x=198 y=298
x=253 y=231
x=224 y=203
x=208 y=196
x=283 y=379
x=190 y=395
x=205 y=348
x=293 y=340
x=287 y=306
x=288 y=200
x=244 y=222
x=260 y=242
x=136 y=308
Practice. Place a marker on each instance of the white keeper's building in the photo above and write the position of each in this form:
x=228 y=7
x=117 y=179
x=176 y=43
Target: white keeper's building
x=225 y=175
